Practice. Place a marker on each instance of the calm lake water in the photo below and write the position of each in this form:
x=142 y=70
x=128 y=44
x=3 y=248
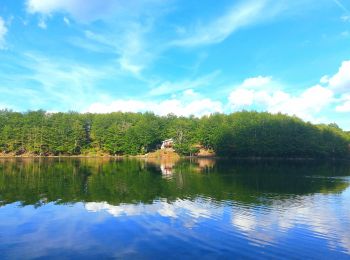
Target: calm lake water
x=106 y=208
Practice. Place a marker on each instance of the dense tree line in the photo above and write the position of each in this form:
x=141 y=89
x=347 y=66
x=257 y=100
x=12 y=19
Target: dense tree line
x=239 y=134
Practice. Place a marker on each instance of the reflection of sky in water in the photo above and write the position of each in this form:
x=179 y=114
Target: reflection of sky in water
x=196 y=215
x=317 y=217
x=326 y=217
x=318 y=222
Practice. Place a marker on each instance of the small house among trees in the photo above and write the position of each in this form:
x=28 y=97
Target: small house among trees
x=169 y=143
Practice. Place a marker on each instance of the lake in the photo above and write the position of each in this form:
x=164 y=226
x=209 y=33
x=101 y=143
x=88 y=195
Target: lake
x=200 y=208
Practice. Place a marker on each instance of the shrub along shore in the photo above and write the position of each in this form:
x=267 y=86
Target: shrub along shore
x=241 y=134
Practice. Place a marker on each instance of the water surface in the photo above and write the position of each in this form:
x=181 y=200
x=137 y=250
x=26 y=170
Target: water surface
x=106 y=208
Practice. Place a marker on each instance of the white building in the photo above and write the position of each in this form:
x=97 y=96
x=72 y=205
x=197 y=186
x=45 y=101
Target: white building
x=169 y=143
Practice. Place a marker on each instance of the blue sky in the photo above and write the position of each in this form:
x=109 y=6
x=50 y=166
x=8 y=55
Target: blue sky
x=177 y=56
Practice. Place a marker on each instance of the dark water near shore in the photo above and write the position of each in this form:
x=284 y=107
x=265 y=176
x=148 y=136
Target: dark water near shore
x=105 y=208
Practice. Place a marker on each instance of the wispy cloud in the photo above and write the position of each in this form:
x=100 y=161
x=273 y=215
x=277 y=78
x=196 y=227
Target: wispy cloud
x=240 y=15
x=3 y=32
x=66 y=21
x=81 y=10
x=169 y=87
x=342 y=6
x=88 y=11
x=126 y=34
x=128 y=43
x=345 y=18
x=54 y=83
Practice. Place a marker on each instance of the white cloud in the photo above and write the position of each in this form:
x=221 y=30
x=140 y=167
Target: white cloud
x=127 y=40
x=257 y=82
x=133 y=48
x=188 y=104
x=190 y=93
x=118 y=105
x=345 y=34
x=88 y=11
x=126 y=65
x=256 y=93
x=3 y=32
x=81 y=10
x=61 y=84
x=251 y=90
x=172 y=87
x=262 y=93
x=340 y=82
x=42 y=23
x=345 y=106
x=126 y=29
x=241 y=97
x=307 y=105
x=345 y=18
x=324 y=79
x=241 y=15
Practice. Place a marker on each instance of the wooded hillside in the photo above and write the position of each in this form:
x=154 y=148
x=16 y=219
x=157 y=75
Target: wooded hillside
x=239 y=134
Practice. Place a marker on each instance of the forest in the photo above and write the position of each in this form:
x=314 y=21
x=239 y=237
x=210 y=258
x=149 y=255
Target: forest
x=240 y=134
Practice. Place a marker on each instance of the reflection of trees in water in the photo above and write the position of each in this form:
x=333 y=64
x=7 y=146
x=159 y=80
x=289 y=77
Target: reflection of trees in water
x=130 y=181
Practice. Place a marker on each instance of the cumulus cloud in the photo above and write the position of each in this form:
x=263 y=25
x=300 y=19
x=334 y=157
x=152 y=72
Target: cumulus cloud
x=3 y=32
x=345 y=106
x=261 y=93
x=258 y=93
x=257 y=82
x=189 y=103
x=306 y=105
x=340 y=82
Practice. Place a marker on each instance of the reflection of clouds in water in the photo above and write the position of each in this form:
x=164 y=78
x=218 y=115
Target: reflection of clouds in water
x=48 y=227
x=326 y=216
x=244 y=222
x=178 y=208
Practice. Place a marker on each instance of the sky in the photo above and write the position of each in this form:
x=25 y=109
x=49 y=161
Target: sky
x=183 y=57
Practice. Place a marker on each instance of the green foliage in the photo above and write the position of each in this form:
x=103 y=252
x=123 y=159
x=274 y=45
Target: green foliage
x=239 y=134
x=37 y=182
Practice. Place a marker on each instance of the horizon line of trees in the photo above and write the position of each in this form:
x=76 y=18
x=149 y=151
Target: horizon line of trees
x=239 y=134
